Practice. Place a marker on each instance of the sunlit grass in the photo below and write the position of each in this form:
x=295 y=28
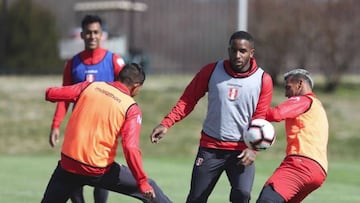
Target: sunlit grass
x=27 y=160
x=26 y=117
x=26 y=177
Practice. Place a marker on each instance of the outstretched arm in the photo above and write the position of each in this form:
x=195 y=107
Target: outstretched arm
x=195 y=90
x=291 y=108
x=65 y=93
x=130 y=134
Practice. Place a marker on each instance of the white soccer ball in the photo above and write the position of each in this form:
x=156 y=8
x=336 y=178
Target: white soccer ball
x=260 y=135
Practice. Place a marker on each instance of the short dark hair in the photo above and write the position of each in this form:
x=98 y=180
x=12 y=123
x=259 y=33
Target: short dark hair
x=242 y=35
x=131 y=74
x=88 y=19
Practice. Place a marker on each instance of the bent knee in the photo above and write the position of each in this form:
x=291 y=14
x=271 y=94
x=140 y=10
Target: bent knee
x=269 y=195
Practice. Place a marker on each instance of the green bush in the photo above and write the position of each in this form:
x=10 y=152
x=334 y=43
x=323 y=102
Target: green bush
x=31 y=40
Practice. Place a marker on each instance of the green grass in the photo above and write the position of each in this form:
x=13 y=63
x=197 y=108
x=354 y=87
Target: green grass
x=27 y=160
x=26 y=176
x=26 y=117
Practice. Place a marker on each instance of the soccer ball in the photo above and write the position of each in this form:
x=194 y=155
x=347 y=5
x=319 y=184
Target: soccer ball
x=260 y=135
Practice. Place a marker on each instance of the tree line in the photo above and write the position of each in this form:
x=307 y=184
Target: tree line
x=320 y=35
x=29 y=44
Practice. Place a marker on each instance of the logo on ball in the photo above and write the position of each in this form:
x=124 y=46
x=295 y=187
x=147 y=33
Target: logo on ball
x=260 y=135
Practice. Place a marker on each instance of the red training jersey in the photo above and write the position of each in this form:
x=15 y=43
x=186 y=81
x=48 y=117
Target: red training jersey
x=89 y=149
x=88 y=57
x=198 y=87
x=306 y=127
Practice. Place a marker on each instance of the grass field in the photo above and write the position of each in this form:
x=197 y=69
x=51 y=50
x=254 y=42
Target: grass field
x=26 y=176
x=27 y=161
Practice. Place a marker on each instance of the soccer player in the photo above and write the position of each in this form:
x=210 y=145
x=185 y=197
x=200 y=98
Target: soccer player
x=92 y=64
x=238 y=91
x=304 y=168
x=105 y=114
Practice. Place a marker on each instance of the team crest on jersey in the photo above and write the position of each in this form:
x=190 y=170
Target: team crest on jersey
x=90 y=77
x=199 y=161
x=233 y=93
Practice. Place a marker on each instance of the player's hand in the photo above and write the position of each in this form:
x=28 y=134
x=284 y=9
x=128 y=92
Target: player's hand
x=246 y=157
x=150 y=194
x=54 y=137
x=158 y=133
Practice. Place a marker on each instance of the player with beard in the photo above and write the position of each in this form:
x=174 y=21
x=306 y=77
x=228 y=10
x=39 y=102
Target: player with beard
x=238 y=91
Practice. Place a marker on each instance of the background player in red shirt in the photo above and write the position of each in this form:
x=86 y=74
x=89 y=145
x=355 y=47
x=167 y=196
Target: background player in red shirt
x=238 y=91
x=92 y=64
x=105 y=114
x=304 y=169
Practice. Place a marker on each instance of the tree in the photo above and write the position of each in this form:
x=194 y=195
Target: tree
x=338 y=48
x=322 y=36
x=273 y=34
x=31 y=40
